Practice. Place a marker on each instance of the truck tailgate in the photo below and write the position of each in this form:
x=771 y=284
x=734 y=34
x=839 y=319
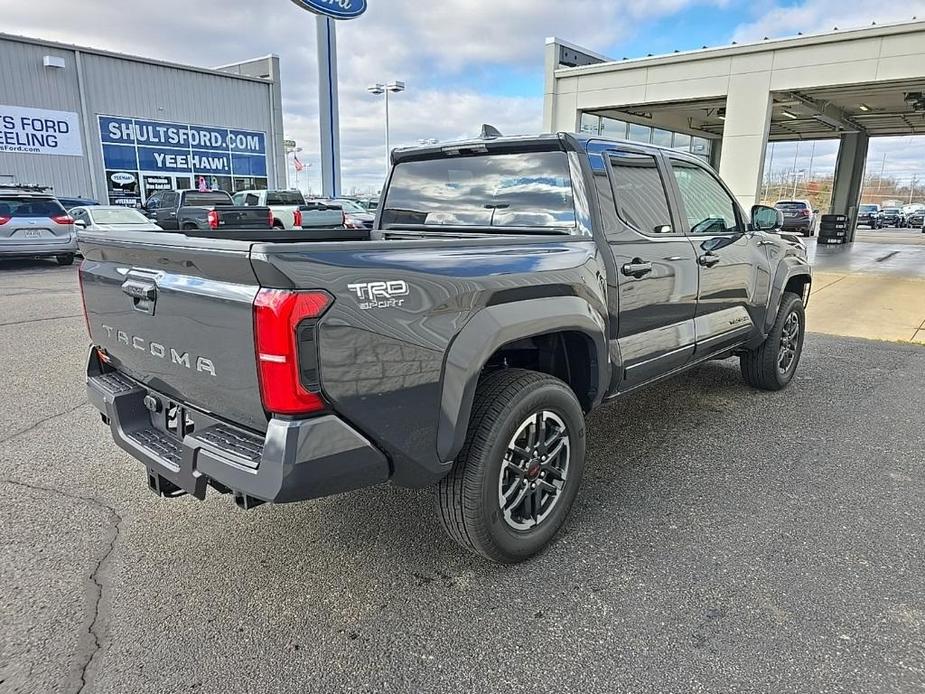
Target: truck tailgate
x=243 y=217
x=176 y=313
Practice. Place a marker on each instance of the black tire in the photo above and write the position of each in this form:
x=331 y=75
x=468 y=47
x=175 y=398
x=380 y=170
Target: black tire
x=65 y=259
x=278 y=224
x=469 y=498
x=761 y=367
x=189 y=227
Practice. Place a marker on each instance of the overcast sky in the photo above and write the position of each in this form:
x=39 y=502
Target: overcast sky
x=465 y=62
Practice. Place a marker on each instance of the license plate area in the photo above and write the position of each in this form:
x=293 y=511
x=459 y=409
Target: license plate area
x=33 y=234
x=171 y=418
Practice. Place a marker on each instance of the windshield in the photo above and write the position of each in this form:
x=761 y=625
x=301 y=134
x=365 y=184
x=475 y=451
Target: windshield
x=791 y=205
x=350 y=206
x=868 y=208
x=891 y=210
x=117 y=216
x=529 y=189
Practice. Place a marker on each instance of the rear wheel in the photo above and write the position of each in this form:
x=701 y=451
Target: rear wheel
x=65 y=258
x=772 y=365
x=517 y=475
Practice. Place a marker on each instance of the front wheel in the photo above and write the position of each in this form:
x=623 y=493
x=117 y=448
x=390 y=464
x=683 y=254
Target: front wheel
x=515 y=479
x=65 y=259
x=772 y=365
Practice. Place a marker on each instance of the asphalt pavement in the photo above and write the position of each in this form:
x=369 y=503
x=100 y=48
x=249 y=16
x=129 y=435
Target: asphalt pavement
x=725 y=540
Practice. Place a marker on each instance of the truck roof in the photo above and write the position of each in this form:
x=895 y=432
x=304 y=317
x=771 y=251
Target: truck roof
x=580 y=141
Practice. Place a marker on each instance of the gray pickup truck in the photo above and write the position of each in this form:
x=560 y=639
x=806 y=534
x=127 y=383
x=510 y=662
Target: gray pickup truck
x=190 y=209
x=510 y=286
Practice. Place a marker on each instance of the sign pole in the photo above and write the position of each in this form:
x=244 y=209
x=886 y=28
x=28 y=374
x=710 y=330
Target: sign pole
x=328 y=106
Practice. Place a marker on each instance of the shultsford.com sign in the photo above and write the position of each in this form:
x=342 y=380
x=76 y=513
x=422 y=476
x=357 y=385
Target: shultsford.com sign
x=336 y=9
x=39 y=131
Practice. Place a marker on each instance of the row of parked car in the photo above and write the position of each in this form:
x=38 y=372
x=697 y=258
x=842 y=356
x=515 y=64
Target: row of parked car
x=876 y=217
x=36 y=223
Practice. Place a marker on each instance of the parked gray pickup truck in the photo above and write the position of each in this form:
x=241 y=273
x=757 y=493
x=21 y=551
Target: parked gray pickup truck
x=196 y=209
x=511 y=286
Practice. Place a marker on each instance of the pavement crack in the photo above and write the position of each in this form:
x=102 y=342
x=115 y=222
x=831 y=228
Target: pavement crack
x=39 y=422
x=90 y=643
x=40 y=320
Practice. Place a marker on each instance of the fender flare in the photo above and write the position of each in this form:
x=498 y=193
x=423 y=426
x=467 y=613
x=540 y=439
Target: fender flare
x=493 y=327
x=788 y=268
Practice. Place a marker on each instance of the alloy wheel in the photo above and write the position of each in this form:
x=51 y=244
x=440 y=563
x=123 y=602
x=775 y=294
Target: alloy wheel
x=534 y=470
x=789 y=341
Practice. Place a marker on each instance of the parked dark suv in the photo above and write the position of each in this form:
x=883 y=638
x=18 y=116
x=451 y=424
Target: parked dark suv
x=509 y=287
x=799 y=216
x=869 y=215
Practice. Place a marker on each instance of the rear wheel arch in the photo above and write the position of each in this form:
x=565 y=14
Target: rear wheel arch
x=560 y=336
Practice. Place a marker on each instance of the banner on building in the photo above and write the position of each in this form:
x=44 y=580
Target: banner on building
x=39 y=131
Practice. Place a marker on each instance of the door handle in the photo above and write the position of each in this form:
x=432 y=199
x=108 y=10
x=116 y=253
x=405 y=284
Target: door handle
x=708 y=259
x=638 y=268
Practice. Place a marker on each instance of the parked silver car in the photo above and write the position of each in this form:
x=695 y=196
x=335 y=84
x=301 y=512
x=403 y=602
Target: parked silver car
x=111 y=218
x=34 y=224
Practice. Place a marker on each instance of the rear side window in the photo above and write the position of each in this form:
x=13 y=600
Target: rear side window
x=12 y=206
x=530 y=189
x=640 y=192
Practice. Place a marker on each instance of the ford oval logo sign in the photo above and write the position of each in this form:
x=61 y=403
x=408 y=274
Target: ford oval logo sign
x=337 y=9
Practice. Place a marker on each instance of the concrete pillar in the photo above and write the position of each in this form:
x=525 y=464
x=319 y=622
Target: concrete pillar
x=550 y=63
x=745 y=135
x=849 y=177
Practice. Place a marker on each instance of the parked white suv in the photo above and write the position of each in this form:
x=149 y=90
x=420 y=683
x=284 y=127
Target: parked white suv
x=34 y=224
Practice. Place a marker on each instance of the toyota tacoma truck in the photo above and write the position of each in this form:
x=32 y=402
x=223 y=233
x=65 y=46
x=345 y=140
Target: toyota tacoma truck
x=509 y=287
x=185 y=210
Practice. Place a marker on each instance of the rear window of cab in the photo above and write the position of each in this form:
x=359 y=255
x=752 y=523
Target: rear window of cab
x=531 y=189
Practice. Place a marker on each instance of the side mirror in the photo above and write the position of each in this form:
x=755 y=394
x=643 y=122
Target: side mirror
x=766 y=218
x=80 y=224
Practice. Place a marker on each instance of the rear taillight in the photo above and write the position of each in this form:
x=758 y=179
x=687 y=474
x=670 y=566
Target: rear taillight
x=4 y=220
x=83 y=299
x=297 y=217
x=804 y=213
x=62 y=219
x=282 y=321
x=213 y=219
x=270 y=218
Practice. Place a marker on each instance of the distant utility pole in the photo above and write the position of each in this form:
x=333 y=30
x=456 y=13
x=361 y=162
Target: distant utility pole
x=767 y=179
x=880 y=180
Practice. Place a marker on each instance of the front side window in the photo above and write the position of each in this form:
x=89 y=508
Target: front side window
x=707 y=205
x=640 y=192
x=529 y=189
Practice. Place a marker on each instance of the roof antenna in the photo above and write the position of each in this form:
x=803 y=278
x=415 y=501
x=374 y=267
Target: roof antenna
x=489 y=132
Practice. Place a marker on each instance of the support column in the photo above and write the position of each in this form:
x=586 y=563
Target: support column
x=745 y=135
x=550 y=63
x=849 y=177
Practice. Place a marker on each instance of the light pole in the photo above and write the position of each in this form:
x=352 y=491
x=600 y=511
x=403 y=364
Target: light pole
x=377 y=89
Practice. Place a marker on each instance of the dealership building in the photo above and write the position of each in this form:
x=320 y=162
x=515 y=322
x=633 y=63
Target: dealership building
x=726 y=103
x=115 y=128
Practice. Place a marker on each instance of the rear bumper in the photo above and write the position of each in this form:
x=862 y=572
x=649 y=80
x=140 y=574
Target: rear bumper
x=296 y=459
x=66 y=244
